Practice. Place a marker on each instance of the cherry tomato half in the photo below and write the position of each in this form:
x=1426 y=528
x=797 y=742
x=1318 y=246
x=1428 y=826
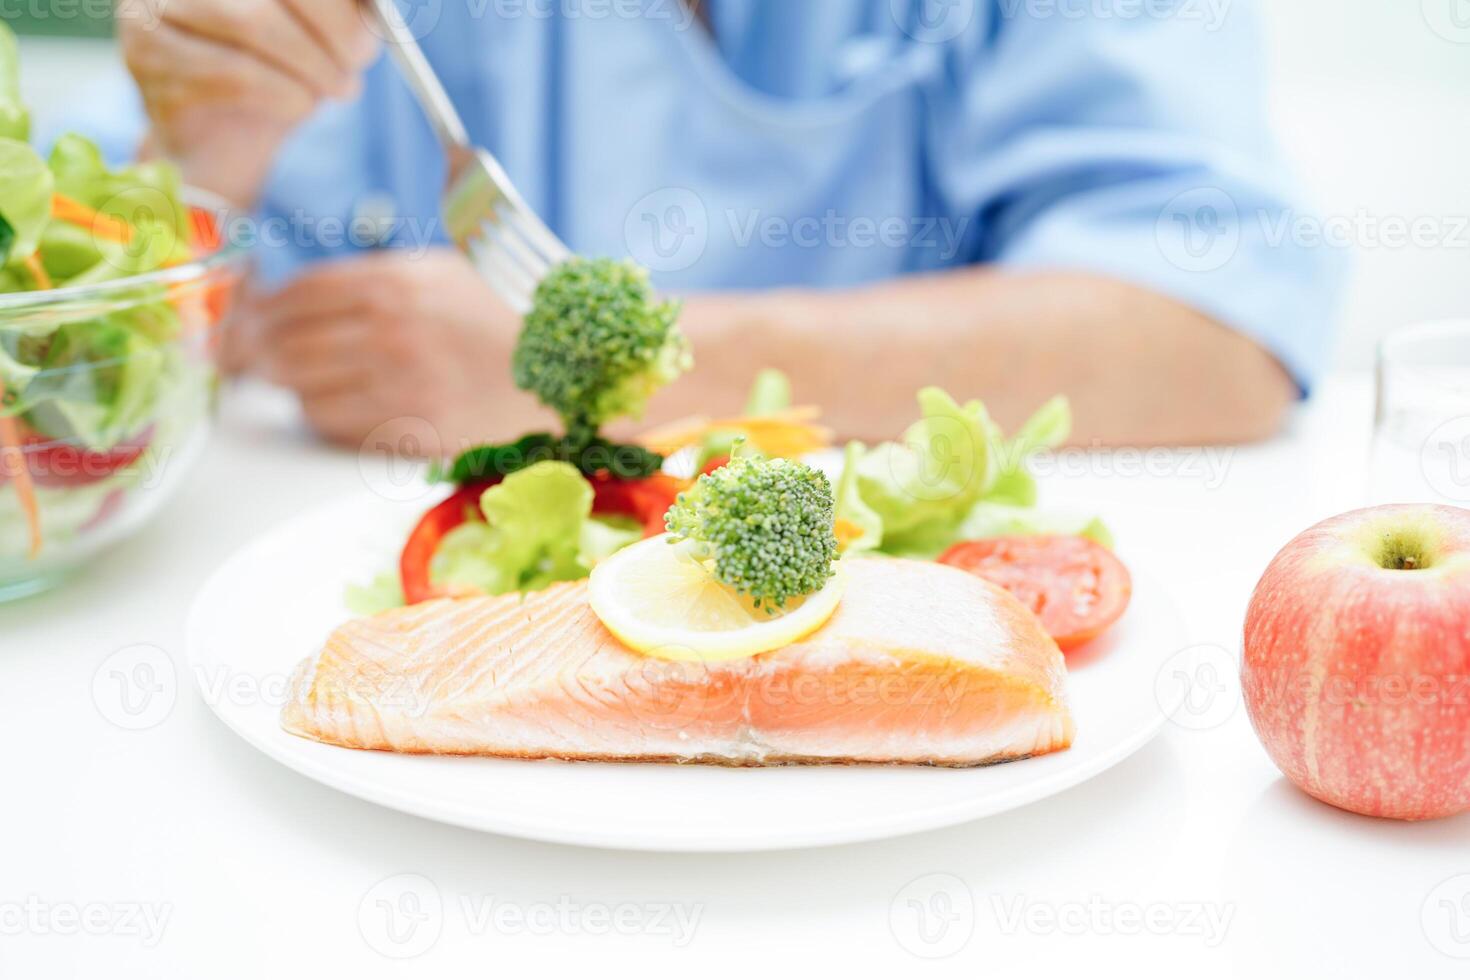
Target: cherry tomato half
x=1075 y=586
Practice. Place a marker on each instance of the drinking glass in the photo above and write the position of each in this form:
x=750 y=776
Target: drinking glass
x=1421 y=428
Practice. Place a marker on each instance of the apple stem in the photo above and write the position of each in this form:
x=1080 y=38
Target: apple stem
x=1404 y=552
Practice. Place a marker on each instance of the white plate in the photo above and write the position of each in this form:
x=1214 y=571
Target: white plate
x=272 y=604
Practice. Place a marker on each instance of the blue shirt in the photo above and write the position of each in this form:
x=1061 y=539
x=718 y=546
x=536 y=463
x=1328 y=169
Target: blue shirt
x=839 y=142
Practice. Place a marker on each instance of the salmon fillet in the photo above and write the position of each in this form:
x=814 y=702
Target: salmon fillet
x=921 y=663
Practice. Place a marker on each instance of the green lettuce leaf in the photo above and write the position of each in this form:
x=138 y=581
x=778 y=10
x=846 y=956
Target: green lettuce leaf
x=98 y=381
x=68 y=250
x=148 y=195
x=853 y=509
x=531 y=536
x=603 y=537
x=771 y=393
x=381 y=594
x=1047 y=429
x=25 y=197
x=954 y=477
x=998 y=520
x=15 y=121
x=922 y=488
x=538 y=530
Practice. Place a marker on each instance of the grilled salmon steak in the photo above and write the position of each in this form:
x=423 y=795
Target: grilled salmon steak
x=921 y=663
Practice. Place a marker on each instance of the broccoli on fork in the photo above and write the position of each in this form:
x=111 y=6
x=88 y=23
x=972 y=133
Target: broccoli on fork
x=597 y=343
x=764 y=524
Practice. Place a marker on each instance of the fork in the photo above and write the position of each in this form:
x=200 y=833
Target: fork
x=485 y=215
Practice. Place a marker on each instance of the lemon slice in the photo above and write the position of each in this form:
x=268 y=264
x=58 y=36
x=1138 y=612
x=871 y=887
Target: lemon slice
x=661 y=602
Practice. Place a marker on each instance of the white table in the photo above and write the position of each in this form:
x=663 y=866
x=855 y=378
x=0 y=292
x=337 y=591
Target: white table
x=1194 y=858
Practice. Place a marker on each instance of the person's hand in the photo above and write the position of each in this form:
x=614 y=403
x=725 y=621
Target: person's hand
x=225 y=81
x=376 y=343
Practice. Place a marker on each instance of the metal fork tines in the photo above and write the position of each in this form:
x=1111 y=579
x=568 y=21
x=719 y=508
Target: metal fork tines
x=484 y=214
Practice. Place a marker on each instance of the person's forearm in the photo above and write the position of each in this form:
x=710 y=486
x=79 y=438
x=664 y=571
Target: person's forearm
x=1139 y=368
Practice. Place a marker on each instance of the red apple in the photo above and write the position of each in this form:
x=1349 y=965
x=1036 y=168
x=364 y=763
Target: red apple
x=1357 y=661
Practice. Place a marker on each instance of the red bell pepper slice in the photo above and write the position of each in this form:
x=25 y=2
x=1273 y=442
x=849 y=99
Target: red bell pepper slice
x=645 y=500
x=62 y=464
x=413 y=565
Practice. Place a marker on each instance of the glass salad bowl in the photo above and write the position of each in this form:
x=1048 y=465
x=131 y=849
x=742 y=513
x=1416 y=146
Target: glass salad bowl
x=106 y=401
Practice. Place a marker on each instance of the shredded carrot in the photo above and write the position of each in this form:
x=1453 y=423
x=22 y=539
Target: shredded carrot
x=204 y=232
x=792 y=432
x=13 y=463
x=846 y=532
x=38 y=271
x=74 y=212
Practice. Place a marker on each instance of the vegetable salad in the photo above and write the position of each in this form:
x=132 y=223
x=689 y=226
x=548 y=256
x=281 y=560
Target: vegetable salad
x=103 y=375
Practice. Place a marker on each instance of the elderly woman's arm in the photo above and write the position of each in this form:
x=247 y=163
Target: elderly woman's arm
x=1139 y=368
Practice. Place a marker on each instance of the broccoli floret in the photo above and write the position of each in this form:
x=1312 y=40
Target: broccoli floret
x=597 y=343
x=764 y=524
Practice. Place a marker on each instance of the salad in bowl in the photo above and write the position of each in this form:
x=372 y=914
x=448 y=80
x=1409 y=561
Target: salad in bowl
x=113 y=283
